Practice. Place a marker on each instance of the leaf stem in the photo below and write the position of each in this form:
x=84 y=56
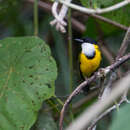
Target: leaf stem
x=70 y=49
x=36 y=17
x=70 y=57
x=55 y=107
x=58 y=100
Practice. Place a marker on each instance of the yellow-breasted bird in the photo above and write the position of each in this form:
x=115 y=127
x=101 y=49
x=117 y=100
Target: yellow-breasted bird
x=90 y=56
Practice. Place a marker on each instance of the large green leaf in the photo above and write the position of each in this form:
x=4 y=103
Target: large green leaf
x=27 y=75
x=122 y=119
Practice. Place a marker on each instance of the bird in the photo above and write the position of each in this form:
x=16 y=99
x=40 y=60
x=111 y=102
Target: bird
x=89 y=57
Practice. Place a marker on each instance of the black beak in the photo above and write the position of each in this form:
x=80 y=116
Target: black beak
x=78 y=40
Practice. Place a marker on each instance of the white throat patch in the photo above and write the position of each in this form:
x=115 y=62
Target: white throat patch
x=88 y=49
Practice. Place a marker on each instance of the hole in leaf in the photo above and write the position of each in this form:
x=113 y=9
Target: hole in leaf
x=37 y=93
x=31 y=76
x=27 y=50
x=22 y=127
x=31 y=83
x=39 y=98
x=30 y=67
x=46 y=69
x=33 y=102
x=48 y=85
x=23 y=81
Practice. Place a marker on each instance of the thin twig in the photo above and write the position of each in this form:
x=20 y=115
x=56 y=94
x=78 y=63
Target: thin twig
x=47 y=7
x=35 y=17
x=74 y=93
x=113 y=76
x=102 y=87
x=70 y=54
x=60 y=23
x=108 y=87
x=97 y=108
x=97 y=11
x=70 y=51
x=54 y=10
x=104 y=114
x=59 y=18
x=102 y=96
x=122 y=50
x=124 y=44
x=43 y=5
x=76 y=24
x=98 y=74
x=87 y=98
x=109 y=21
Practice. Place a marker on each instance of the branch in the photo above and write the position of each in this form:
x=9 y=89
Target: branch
x=97 y=11
x=59 y=20
x=113 y=75
x=109 y=21
x=102 y=97
x=124 y=44
x=87 y=98
x=60 y=23
x=99 y=74
x=48 y=6
x=35 y=17
x=78 y=25
x=105 y=113
x=96 y=109
x=107 y=89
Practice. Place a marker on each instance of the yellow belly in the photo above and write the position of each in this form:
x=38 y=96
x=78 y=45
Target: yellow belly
x=89 y=66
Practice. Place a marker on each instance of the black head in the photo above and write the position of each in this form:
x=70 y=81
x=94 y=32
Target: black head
x=86 y=39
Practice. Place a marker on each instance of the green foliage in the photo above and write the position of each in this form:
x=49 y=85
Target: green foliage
x=96 y=3
x=61 y=56
x=99 y=3
x=45 y=122
x=108 y=29
x=7 y=6
x=27 y=75
x=91 y=29
x=120 y=15
x=121 y=120
x=10 y=16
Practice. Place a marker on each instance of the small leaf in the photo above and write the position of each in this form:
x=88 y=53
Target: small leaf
x=27 y=75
